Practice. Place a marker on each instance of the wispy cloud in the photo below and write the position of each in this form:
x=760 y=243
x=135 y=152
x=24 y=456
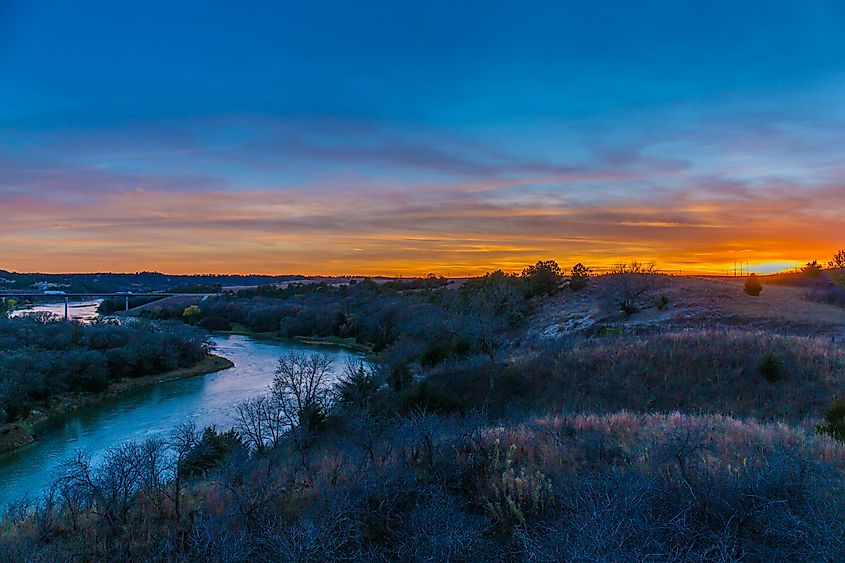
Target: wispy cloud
x=331 y=196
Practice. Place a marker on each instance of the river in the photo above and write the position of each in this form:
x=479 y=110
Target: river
x=209 y=400
x=77 y=311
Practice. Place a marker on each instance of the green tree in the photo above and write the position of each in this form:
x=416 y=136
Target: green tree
x=191 y=314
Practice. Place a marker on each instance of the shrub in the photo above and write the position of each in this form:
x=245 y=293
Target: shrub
x=770 y=367
x=834 y=425
x=216 y=323
x=753 y=286
x=441 y=350
x=663 y=304
x=212 y=450
x=192 y=314
x=812 y=269
x=400 y=376
x=422 y=397
x=515 y=496
x=312 y=418
x=631 y=289
x=580 y=277
x=628 y=308
x=356 y=386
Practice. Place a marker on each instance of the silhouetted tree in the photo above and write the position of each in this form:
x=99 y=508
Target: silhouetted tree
x=837 y=268
x=812 y=269
x=543 y=278
x=260 y=422
x=580 y=277
x=301 y=387
x=356 y=386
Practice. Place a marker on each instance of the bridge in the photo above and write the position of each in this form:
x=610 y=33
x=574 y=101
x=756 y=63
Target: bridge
x=94 y=294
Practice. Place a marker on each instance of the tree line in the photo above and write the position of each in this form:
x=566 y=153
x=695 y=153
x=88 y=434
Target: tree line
x=41 y=356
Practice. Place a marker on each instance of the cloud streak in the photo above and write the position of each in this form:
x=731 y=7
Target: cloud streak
x=330 y=196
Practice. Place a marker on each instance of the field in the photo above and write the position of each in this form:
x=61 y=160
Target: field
x=694 y=303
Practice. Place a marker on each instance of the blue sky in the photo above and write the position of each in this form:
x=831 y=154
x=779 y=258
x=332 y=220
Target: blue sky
x=385 y=137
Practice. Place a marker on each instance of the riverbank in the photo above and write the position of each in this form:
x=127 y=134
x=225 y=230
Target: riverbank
x=345 y=343
x=17 y=434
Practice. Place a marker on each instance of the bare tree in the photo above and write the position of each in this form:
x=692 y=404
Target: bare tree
x=260 y=422
x=301 y=386
x=182 y=441
x=628 y=287
x=634 y=267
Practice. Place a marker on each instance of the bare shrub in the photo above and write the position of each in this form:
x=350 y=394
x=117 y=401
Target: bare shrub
x=440 y=528
x=634 y=267
x=629 y=288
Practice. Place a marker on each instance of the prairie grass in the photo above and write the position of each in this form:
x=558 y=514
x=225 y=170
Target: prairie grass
x=767 y=376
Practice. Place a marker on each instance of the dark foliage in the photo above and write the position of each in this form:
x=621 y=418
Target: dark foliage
x=196 y=288
x=753 y=286
x=812 y=270
x=118 y=304
x=771 y=367
x=580 y=277
x=421 y=321
x=42 y=357
x=212 y=450
x=433 y=488
x=543 y=278
x=834 y=418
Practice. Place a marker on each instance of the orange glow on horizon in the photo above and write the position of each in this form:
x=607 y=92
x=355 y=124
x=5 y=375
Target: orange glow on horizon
x=300 y=232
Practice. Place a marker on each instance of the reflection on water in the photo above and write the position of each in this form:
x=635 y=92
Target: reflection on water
x=209 y=400
x=77 y=310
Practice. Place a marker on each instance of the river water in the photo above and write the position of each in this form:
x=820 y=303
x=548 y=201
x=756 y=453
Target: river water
x=209 y=400
x=78 y=311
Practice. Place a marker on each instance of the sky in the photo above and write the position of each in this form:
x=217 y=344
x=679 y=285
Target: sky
x=410 y=137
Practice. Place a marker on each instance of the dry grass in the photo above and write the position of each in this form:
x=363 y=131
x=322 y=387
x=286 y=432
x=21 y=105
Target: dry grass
x=693 y=371
x=696 y=302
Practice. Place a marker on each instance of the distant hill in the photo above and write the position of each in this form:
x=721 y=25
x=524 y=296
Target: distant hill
x=137 y=282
